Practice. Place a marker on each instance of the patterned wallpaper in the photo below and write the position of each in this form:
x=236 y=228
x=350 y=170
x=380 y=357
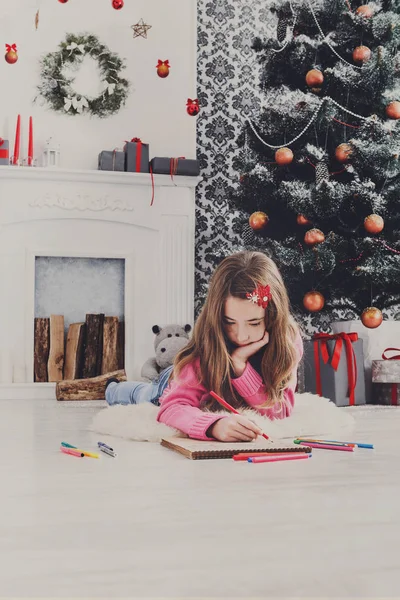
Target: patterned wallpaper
x=228 y=76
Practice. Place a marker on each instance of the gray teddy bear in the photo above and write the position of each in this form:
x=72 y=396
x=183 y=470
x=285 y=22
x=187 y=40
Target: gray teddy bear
x=168 y=342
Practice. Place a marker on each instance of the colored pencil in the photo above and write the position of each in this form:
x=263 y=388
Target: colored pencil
x=327 y=446
x=246 y=455
x=71 y=452
x=89 y=454
x=358 y=444
x=263 y=459
x=225 y=404
x=298 y=440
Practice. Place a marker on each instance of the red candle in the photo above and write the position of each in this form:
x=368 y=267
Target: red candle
x=30 y=144
x=17 y=141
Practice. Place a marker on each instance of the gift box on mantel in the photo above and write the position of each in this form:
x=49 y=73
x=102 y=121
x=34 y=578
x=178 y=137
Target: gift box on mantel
x=112 y=160
x=334 y=368
x=137 y=156
x=386 y=378
x=4 y=152
x=175 y=166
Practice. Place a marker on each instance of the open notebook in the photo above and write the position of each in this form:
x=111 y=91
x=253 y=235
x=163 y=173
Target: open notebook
x=197 y=449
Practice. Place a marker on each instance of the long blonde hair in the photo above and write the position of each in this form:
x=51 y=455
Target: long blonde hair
x=235 y=276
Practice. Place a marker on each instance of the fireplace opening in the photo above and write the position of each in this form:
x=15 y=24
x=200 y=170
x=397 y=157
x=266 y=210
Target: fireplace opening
x=79 y=324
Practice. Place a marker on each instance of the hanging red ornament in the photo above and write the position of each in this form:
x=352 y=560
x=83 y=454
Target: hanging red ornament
x=163 y=68
x=313 y=301
x=313 y=237
x=393 y=110
x=374 y=224
x=117 y=4
x=371 y=317
x=302 y=220
x=284 y=156
x=364 y=11
x=258 y=220
x=314 y=78
x=11 y=55
x=192 y=107
x=343 y=153
x=361 y=54
x=63 y=1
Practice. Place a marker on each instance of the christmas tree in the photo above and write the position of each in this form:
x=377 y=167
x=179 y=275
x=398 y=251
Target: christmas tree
x=319 y=165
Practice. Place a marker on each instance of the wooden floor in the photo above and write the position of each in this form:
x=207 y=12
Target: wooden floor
x=151 y=523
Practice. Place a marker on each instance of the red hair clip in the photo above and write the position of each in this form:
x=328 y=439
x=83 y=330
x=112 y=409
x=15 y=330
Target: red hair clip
x=261 y=295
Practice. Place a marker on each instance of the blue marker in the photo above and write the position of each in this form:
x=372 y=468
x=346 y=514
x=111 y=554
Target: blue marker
x=102 y=445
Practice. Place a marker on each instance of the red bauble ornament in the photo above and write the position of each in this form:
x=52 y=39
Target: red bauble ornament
x=258 y=220
x=314 y=78
x=374 y=224
x=343 y=153
x=371 y=317
x=192 y=107
x=117 y=4
x=364 y=11
x=163 y=68
x=11 y=55
x=313 y=301
x=361 y=54
x=313 y=237
x=284 y=156
x=302 y=220
x=63 y=1
x=393 y=110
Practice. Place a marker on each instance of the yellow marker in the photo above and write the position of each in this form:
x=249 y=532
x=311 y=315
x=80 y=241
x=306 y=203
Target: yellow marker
x=89 y=454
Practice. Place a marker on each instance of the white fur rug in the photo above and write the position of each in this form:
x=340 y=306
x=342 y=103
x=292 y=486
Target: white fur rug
x=312 y=415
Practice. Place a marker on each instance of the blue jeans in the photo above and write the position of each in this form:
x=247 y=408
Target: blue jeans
x=137 y=392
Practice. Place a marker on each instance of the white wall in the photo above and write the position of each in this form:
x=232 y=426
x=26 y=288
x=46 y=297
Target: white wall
x=156 y=108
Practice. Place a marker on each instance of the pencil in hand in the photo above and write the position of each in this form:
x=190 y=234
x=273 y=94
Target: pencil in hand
x=226 y=405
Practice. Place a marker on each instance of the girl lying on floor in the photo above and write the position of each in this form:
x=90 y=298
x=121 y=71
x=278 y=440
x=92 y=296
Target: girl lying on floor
x=246 y=347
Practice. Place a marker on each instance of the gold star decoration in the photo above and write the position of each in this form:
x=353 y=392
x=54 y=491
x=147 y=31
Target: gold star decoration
x=140 y=29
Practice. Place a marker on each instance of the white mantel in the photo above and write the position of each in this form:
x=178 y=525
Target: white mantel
x=53 y=212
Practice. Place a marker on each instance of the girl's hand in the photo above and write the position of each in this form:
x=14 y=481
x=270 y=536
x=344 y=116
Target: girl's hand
x=241 y=355
x=234 y=429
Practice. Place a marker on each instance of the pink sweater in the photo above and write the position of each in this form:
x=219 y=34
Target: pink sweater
x=180 y=404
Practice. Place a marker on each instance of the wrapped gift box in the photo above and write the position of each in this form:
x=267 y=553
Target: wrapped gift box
x=386 y=378
x=334 y=368
x=175 y=166
x=137 y=156
x=4 y=152
x=375 y=341
x=111 y=160
x=386 y=393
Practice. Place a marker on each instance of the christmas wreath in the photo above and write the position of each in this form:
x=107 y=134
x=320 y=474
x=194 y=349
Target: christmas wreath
x=57 y=88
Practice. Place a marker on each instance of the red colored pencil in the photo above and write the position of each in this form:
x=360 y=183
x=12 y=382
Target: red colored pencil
x=225 y=404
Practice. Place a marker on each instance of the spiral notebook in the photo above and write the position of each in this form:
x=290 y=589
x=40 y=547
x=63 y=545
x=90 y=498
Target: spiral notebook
x=198 y=450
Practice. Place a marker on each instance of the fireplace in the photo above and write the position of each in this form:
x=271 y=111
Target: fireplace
x=93 y=215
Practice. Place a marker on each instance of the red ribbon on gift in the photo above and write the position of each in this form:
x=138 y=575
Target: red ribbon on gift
x=320 y=341
x=139 y=143
x=394 y=397
x=5 y=152
x=173 y=166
